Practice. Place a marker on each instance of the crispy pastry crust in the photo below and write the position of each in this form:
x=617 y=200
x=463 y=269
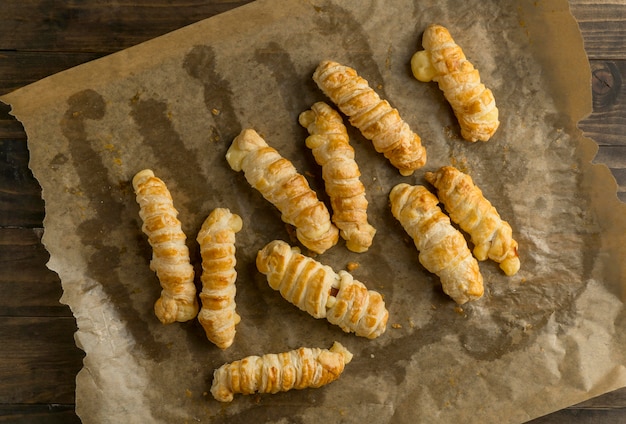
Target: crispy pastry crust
x=331 y=148
x=318 y=290
x=278 y=181
x=472 y=103
x=375 y=118
x=218 y=316
x=272 y=373
x=170 y=255
x=464 y=201
x=442 y=248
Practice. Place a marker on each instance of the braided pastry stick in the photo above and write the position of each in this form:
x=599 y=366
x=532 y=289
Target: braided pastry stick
x=442 y=248
x=375 y=118
x=272 y=373
x=217 y=248
x=279 y=182
x=318 y=290
x=331 y=148
x=464 y=201
x=170 y=255
x=443 y=61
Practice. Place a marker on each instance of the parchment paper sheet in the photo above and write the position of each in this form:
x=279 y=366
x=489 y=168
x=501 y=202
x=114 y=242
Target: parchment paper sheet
x=551 y=336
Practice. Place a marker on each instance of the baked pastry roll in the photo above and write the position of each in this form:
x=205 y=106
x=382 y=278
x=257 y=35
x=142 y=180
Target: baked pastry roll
x=278 y=181
x=442 y=248
x=331 y=148
x=217 y=315
x=374 y=117
x=318 y=290
x=464 y=201
x=170 y=255
x=272 y=373
x=443 y=61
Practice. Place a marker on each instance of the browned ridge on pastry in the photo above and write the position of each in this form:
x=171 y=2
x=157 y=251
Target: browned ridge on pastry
x=280 y=183
x=218 y=314
x=443 y=61
x=170 y=255
x=442 y=248
x=280 y=372
x=374 y=117
x=331 y=148
x=464 y=201
x=318 y=290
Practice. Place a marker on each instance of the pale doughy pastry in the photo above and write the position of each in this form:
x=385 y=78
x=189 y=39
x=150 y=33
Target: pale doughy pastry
x=442 y=248
x=464 y=201
x=318 y=290
x=170 y=255
x=375 y=118
x=278 y=181
x=272 y=373
x=217 y=315
x=443 y=61
x=331 y=148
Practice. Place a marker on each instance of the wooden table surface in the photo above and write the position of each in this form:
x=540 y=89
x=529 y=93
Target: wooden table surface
x=38 y=357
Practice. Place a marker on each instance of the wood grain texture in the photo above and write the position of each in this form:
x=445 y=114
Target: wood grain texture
x=29 y=414
x=39 y=360
x=20 y=194
x=97 y=26
x=41 y=37
x=607 y=122
x=28 y=287
x=602 y=26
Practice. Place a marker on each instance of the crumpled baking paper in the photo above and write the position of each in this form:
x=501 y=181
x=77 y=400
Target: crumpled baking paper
x=546 y=338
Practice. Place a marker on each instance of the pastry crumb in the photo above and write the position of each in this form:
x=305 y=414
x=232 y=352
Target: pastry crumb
x=396 y=326
x=351 y=266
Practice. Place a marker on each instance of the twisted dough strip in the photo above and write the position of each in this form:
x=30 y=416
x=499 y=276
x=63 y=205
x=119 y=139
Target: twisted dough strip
x=375 y=118
x=331 y=148
x=273 y=373
x=443 y=61
x=279 y=182
x=442 y=248
x=318 y=290
x=217 y=248
x=170 y=255
x=492 y=237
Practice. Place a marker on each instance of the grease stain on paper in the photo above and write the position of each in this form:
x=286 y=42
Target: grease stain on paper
x=154 y=124
x=84 y=106
x=281 y=66
x=352 y=38
x=199 y=63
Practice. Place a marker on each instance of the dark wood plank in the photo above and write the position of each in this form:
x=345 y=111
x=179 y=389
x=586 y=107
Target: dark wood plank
x=39 y=360
x=31 y=414
x=583 y=416
x=607 y=124
x=28 y=287
x=603 y=25
x=18 y=69
x=613 y=400
x=20 y=194
x=9 y=126
x=97 y=26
